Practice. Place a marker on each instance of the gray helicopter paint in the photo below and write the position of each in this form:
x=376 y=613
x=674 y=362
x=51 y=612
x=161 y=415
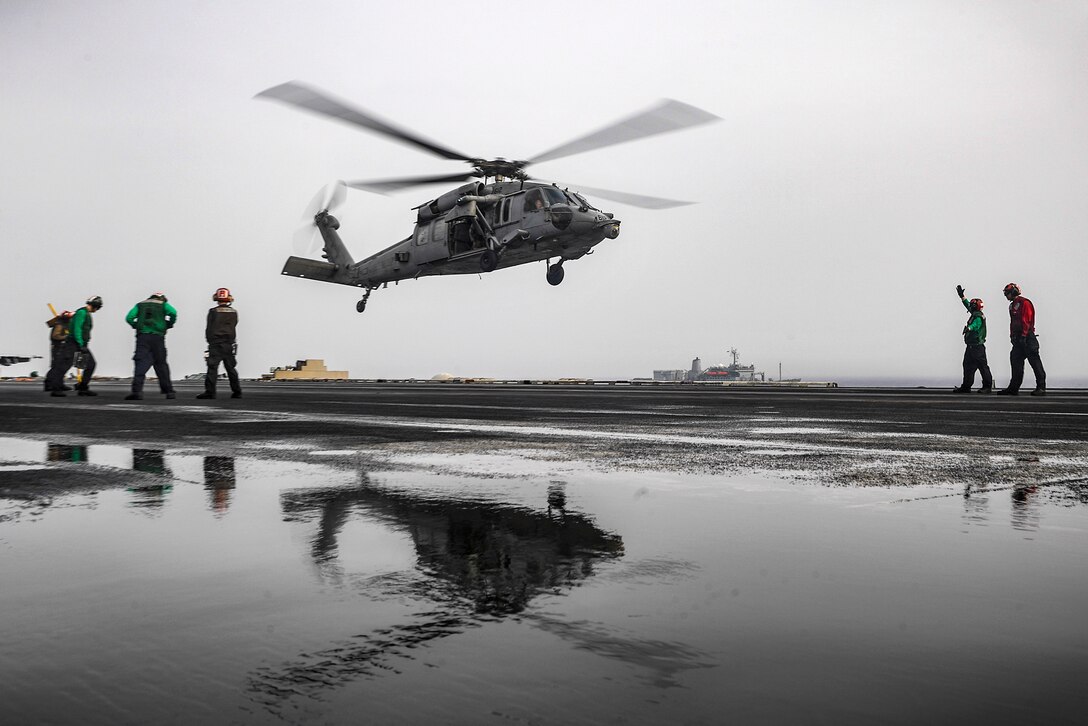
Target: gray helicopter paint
x=431 y=250
x=478 y=227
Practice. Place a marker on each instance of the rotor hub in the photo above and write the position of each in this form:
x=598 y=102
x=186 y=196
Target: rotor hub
x=499 y=167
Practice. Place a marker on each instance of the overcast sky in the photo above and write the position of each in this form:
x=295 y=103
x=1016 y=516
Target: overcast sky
x=871 y=156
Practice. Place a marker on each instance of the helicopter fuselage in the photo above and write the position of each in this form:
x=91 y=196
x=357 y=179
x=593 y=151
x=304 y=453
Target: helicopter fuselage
x=471 y=229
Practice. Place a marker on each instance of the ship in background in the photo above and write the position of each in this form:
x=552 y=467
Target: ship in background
x=731 y=373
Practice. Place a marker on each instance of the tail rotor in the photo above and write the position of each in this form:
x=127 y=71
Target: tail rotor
x=307 y=239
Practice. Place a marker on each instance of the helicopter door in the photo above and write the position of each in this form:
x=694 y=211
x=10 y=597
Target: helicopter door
x=429 y=242
x=534 y=209
x=462 y=238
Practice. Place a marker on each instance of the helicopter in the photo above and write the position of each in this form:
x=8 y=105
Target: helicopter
x=501 y=219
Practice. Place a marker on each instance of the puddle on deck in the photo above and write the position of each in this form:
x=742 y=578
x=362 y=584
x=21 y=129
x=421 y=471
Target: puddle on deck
x=147 y=585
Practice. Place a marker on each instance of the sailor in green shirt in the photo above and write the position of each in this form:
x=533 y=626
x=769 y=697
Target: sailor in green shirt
x=77 y=342
x=151 y=319
x=974 y=356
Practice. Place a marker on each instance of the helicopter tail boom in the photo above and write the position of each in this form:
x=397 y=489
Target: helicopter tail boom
x=334 y=250
x=310 y=269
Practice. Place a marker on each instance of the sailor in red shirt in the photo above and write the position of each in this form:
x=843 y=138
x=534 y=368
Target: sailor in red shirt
x=1025 y=345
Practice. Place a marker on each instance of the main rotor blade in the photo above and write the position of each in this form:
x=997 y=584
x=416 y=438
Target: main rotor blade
x=310 y=99
x=384 y=186
x=635 y=200
x=667 y=116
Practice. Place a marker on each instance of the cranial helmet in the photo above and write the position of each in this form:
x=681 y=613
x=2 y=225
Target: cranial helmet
x=1012 y=288
x=95 y=302
x=975 y=304
x=222 y=295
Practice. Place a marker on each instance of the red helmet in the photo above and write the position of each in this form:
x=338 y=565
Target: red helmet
x=975 y=304
x=1012 y=288
x=222 y=295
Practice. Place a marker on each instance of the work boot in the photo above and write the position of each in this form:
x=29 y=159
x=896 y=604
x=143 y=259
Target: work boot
x=171 y=395
x=986 y=389
x=206 y=395
x=85 y=392
x=236 y=394
x=58 y=393
x=1039 y=392
x=1007 y=392
x=961 y=389
x=134 y=397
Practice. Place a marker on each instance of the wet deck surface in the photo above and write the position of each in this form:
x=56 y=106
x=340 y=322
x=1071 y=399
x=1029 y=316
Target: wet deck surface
x=543 y=554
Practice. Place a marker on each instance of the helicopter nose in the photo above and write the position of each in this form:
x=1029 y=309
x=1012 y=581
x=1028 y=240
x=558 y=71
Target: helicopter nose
x=610 y=228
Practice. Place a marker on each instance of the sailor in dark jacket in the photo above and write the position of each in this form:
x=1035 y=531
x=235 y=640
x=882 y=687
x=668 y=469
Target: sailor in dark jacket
x=78 y=340
x=220 y=333
x=59 y=332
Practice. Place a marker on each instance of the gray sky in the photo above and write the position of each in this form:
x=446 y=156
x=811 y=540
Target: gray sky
x=871 y=156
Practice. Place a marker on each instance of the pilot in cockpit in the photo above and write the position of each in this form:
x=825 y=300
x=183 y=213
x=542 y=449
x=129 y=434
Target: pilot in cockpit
x=534 y=200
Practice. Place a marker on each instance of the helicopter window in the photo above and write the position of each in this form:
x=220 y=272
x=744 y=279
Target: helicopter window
x=555 y=196
x=583 y=201
x=423 y=234
x=534 y=200
x=438 y=232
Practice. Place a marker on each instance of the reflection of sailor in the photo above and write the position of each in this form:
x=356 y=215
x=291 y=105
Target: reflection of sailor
x=1025 y=510
x=218 y=481
x=150 y=461
x=64 y=452
x=150 y=496
x=557 y=499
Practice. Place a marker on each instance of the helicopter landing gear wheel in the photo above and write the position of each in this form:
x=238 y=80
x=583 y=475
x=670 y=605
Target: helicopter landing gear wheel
x=361 y=305
x=555 y=273
x=489 y=260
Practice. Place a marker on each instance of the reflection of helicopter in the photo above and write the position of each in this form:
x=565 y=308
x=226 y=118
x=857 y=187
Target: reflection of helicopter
x=496 y=556
x=479 y=226
x=479 y=562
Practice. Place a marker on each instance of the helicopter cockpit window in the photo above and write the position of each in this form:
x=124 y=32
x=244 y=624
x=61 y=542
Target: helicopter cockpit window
x=583 y=202
x=534 y=199
x=554 y=196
